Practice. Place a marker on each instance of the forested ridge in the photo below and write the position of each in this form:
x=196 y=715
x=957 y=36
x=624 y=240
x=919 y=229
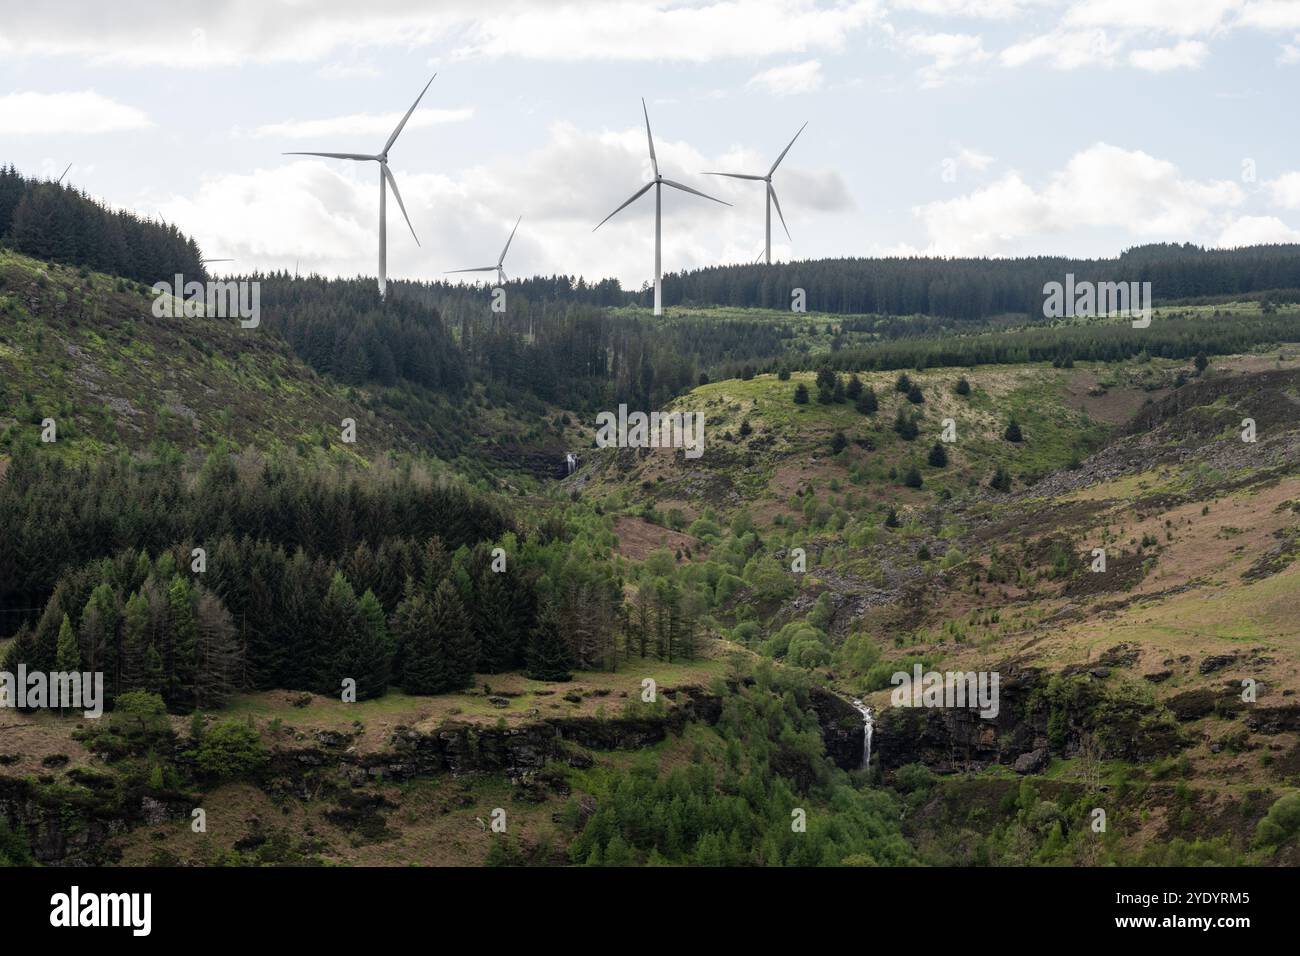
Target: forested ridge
x=60 y=223
x=980 y=288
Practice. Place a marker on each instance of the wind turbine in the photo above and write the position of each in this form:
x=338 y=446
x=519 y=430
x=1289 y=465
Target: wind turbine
x=59 y=181
x=501 y=272
x=771 y=195
x=658 y=183
x=386 y=180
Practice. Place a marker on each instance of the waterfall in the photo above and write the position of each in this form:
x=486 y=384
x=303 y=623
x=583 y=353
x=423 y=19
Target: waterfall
x=868 y=725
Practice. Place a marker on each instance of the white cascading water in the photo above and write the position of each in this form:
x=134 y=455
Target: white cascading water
x=867 y=727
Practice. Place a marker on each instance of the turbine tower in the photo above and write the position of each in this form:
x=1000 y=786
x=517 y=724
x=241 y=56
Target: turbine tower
x=771 y=195
x=498 y=268
x=658 y=183
x=386 y=181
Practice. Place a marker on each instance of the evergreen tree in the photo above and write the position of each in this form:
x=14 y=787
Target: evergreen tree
x=549 y=658
x=801 y=394
x=455 y=637
x=67 y=658
x=216 y=652
x=938 y=456
x=867 y=402
x=963 y=386
x=1013 y=434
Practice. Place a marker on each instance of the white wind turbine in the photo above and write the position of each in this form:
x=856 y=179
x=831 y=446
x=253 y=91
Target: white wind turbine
x=386 y=180
x=499 y=267
x=771 y=196
x=658 y=183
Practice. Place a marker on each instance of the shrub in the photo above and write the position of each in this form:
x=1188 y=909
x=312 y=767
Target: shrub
x=230 y=749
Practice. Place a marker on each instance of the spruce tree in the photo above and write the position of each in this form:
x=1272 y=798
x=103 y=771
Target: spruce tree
x=421 y=662
x=452 y=631
x=548 y=652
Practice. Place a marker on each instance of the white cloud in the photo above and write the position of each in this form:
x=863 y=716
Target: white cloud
x=1271 y=14
x=669 y=30
x=1064 y=50
x=1177 y=17
x=1285 y=190
x=974 y=9
x=792 y=78
x=1186 y=55
x=361 y=124
x=948 y=52
x=1255 y=231
x=82 y=112
x=1102 y=187
x=203 y=34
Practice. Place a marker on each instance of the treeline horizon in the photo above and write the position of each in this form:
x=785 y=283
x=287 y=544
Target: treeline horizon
x=59 y=223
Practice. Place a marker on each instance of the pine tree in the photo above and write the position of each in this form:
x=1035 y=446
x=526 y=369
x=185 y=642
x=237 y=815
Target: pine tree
x=135 y=643
x=67 y=659
x=548 y=652
x=938 y=456
x=455 y=637
x=867 y=402
x=1013 y=434
x=178 y=662
x=963 y=386
x=801 y=394
x=422 y=666
x=216 y=657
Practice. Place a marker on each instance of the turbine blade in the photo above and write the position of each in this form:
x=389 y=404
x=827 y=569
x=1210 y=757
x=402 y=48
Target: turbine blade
x=784 y=151
x=738 y=176
x=650 y=139
x=669 y=182
x=478 y=269
x=388 y=175
x=400 y=126
x=62 y=174
x=635 y=196
x=508 y=241
x=777 y=203
x=357 y=156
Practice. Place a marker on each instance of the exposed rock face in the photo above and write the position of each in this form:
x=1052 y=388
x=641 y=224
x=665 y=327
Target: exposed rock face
x=949 y=740
x=842 y=729
x=68 y=831
x=519 y=751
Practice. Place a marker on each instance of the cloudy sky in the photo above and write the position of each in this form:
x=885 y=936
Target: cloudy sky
x=989 y=127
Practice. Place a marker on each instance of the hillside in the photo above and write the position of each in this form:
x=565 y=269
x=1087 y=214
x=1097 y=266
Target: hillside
x=85 y=349
x=521 y=688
